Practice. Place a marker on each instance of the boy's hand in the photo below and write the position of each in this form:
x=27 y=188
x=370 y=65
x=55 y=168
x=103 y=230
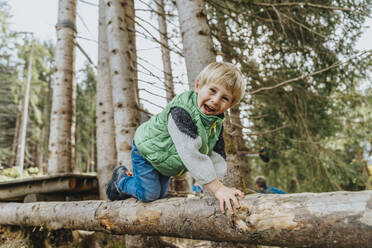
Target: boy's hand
x=225 y=195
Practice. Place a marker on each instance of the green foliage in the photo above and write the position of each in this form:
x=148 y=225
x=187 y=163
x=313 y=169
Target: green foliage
x=299 y=121
x=15 y=50
x=8 y=85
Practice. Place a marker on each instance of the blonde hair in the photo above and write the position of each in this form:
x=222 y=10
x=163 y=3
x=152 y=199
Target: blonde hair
x=226 y=74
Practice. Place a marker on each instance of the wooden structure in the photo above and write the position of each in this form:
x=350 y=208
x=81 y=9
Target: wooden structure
x=59 y=187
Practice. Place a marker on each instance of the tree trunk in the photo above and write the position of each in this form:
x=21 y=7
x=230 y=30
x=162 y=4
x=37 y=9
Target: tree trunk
x=130 y=24
x=123 y=79
x=45 y=129
x=106 y=157
x=197 y=44
x=61 y=139
x=334 y=219
x=23 y=133
x=196 y=38
x=16 y=133
x=177 y=183
x=123 y=65
x=238 y=175
x=165 y=53
x=239 y=170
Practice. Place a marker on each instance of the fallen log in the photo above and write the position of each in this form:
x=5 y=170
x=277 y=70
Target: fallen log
x=335 y=219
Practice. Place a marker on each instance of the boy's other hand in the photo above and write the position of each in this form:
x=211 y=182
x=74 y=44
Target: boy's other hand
x=225 y=195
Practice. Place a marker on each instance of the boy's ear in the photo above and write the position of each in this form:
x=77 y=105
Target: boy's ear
x=197 y=86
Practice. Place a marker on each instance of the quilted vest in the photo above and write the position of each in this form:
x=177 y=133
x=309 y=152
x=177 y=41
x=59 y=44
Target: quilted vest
x=155 y=144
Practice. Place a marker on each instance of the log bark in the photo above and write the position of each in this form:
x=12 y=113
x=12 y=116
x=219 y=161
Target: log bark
x=334 y=219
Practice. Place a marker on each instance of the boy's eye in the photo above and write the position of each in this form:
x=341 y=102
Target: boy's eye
x=225 y=99
x=212 y=90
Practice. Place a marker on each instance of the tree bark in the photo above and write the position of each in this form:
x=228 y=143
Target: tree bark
x=123 y=79
x=165 y=53
x=177 y=183
x=16 y=133
x=239 y=171
x=196 y=38
x=123 y=66
x=43 y=166
x=130 y=23
x=22 y=141
x=197 y=45
x=61 y=139
x=106 y=157
x=334 y=219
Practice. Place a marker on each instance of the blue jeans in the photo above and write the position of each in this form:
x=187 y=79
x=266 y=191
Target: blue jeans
x=146 y=184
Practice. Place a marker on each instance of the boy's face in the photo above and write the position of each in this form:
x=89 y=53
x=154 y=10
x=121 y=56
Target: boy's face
x=260 y=188
x=213 y=99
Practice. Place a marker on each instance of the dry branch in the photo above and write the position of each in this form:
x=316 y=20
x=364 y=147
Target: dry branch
x=335 y=219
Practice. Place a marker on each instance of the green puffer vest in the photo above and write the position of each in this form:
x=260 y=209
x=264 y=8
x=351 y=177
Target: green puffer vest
x=155 y=144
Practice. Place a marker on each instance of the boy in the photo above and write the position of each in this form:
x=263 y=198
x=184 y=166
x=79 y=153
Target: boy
x=263 y=188
x=186 y=135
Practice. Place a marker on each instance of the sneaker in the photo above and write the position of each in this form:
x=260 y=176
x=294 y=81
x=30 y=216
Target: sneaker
x=112 y=189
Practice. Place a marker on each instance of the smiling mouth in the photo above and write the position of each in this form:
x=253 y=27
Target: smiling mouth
x=209 y=109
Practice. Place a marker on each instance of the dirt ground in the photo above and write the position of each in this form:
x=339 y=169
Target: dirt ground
x=12 y=238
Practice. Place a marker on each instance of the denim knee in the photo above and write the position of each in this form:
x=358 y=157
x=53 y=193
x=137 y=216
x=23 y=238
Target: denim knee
x=150 y=195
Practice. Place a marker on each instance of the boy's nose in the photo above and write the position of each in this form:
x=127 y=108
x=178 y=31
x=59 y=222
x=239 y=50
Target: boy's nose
x=215 y=100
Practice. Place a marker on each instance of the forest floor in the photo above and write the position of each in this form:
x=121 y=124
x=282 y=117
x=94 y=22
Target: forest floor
x=11 y=238
x=15 y=237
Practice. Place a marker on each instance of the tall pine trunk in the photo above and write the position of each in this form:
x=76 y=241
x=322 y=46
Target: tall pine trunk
x=16 y=133
x=106 y=155
x=46 y=127
x=61 y=138
x=130 y=24
x=23 y=134
x=238 y=174
x=197 y=44
x=123 y=78
x=196 y=38
x=165 y=52
x=178 y=183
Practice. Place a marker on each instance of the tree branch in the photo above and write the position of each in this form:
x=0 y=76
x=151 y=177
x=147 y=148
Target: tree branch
x=308 y=75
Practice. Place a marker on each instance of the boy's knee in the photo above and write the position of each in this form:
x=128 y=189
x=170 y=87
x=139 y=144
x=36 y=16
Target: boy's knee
x=150 y=195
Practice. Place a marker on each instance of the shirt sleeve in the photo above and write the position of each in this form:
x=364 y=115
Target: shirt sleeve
x=219 y=164
x=183 y=132
x=218 y=157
